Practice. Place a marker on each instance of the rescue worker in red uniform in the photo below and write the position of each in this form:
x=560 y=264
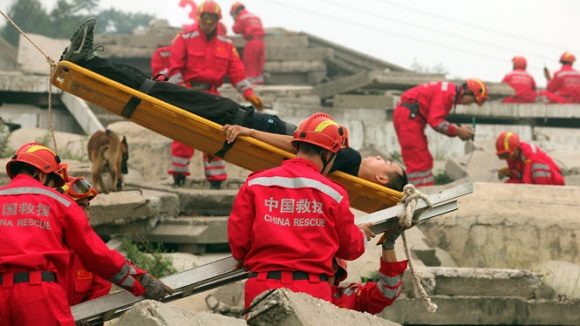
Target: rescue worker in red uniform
x=521 y=81
x=200 y=60
x=250 y=27
x=430 y=103
x=38 y=229
x=372 y=297
x=160 y=63
x=527 y=163
x=288 y=223
x=564 y=86
x=83 y=285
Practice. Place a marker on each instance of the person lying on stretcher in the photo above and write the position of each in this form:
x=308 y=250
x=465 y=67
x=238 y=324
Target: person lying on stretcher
x=265 y=127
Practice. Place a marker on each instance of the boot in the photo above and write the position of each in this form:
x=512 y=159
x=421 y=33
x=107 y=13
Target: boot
x=178 y=180
x=215 y=185
x=81 y=43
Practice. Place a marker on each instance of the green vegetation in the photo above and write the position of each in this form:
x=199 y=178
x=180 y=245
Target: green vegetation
x=66 y=17
x=442 y=178
x=148 y=257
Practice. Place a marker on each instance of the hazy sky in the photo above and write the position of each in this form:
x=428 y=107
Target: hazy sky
x=469 y=38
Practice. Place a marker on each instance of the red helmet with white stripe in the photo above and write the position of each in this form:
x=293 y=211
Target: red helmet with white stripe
x=38 y=156
x=321 y=130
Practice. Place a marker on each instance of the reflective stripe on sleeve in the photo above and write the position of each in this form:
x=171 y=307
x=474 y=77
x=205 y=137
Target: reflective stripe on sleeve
x=540 y=174
x=122 y=274
x=243 y=85
x=295 y=183
x=391 y=281
x=387 y=292
x=35 y=191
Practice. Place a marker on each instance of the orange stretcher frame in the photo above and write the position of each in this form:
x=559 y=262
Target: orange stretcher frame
x=200 y=133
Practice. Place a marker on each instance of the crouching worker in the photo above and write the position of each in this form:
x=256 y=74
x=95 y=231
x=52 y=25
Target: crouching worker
x=372 y=297
x=83 y=285
x=39 y=227
x=289 y=222
x=527 y=163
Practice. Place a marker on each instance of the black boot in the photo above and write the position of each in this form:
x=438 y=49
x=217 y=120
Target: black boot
x=81 y=43
x=178 y=180
x=215 y=185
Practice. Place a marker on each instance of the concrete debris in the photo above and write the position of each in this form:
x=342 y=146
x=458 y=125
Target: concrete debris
x=284 y=307
x=562 y=276
x=154 y=313
x=510 y=226
x=30 y=61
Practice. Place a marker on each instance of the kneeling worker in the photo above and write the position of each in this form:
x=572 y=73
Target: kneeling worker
x=289 y=222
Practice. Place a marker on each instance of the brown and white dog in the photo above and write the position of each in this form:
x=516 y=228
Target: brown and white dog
x=108 y=153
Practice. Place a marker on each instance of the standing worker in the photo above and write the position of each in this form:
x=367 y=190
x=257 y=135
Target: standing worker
x=564 y=86
x=288 y=223
x=250 y=26
x=527 y=163
x=521 y=82
x=38 y=229
x=200 y=60
x=160 y=63
x=430 y=103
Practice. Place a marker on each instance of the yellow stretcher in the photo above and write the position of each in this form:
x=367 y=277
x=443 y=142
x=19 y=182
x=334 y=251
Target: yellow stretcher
x=200 y=133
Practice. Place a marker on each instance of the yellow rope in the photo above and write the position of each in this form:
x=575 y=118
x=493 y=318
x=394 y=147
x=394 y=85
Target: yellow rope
x=52 y=65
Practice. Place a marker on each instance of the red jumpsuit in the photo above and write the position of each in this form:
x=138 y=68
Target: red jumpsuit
x=250 y=26
x=534 y=166
x=160 y=61
x=38 y=229
x=433 y=102
x=203 y=63
x=292 y=219
x=85 y=285
x=372 y=297
x=523 y=84
x=564 y=87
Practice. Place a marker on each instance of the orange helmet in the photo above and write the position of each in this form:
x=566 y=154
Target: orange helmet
x=321 y=130
x=236 y=7
x=478 y=88
x=210 y=7
x=507 y=142
x=79 y=188
x=520 y=62
x=567 y=57
x=38 y=156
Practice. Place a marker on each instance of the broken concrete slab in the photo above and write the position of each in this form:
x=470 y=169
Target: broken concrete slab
x=298 y=54
x=70 y=146
x=510 y=226
x=154 y=313
x=284 y=307
x=361 y=101
x=123 y=207
x=562 y=276
x=26 y=83
x=9 y=56
x=33 y=62
x=276 y=41
x=464 y=310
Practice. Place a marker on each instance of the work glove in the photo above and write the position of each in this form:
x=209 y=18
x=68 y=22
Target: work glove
x=465 y=133
x=154 y=288
x=388 y=238
x=256 y=102
x=176 y=79
x=504 y=172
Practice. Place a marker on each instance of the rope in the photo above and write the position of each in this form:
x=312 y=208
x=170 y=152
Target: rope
x=52 y=65
x=411 y=197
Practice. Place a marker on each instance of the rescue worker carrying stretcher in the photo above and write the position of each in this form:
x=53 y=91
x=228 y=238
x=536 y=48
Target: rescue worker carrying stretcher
x=430 y=103
x=289 y=222
x=527 y=163
x=39 y=227
x=221 y=110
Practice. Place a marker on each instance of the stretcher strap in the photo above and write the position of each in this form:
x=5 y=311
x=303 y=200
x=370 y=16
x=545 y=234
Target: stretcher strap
x=134 y=102
x=239 y=119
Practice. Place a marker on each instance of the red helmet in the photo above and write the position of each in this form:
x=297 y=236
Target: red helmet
x=321 y=130
x=38 y=156
x=235 y=7
x=520 y=62
x=210 y=7
x=478 y=88
x=79 y=188
x=567 y=57
x=339 y=267
x=507 y=142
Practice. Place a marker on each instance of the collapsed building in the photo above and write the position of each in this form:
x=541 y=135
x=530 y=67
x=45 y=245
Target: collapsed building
x=510 y=254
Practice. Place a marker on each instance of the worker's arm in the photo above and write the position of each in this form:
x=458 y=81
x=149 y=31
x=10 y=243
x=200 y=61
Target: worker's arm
x=351 y=239
x=281 y=141
x=438 y=110
x=177 y=59
x=554 y=84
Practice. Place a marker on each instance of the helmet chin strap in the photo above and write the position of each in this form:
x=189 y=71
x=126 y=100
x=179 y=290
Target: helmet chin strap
x=325 y=162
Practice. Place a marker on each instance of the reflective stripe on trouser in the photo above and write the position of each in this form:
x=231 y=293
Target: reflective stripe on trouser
x=214 y=168
x=414 y=147
x=254 y=287
x=180 y=156
x=421 y=178
x=26 y=304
